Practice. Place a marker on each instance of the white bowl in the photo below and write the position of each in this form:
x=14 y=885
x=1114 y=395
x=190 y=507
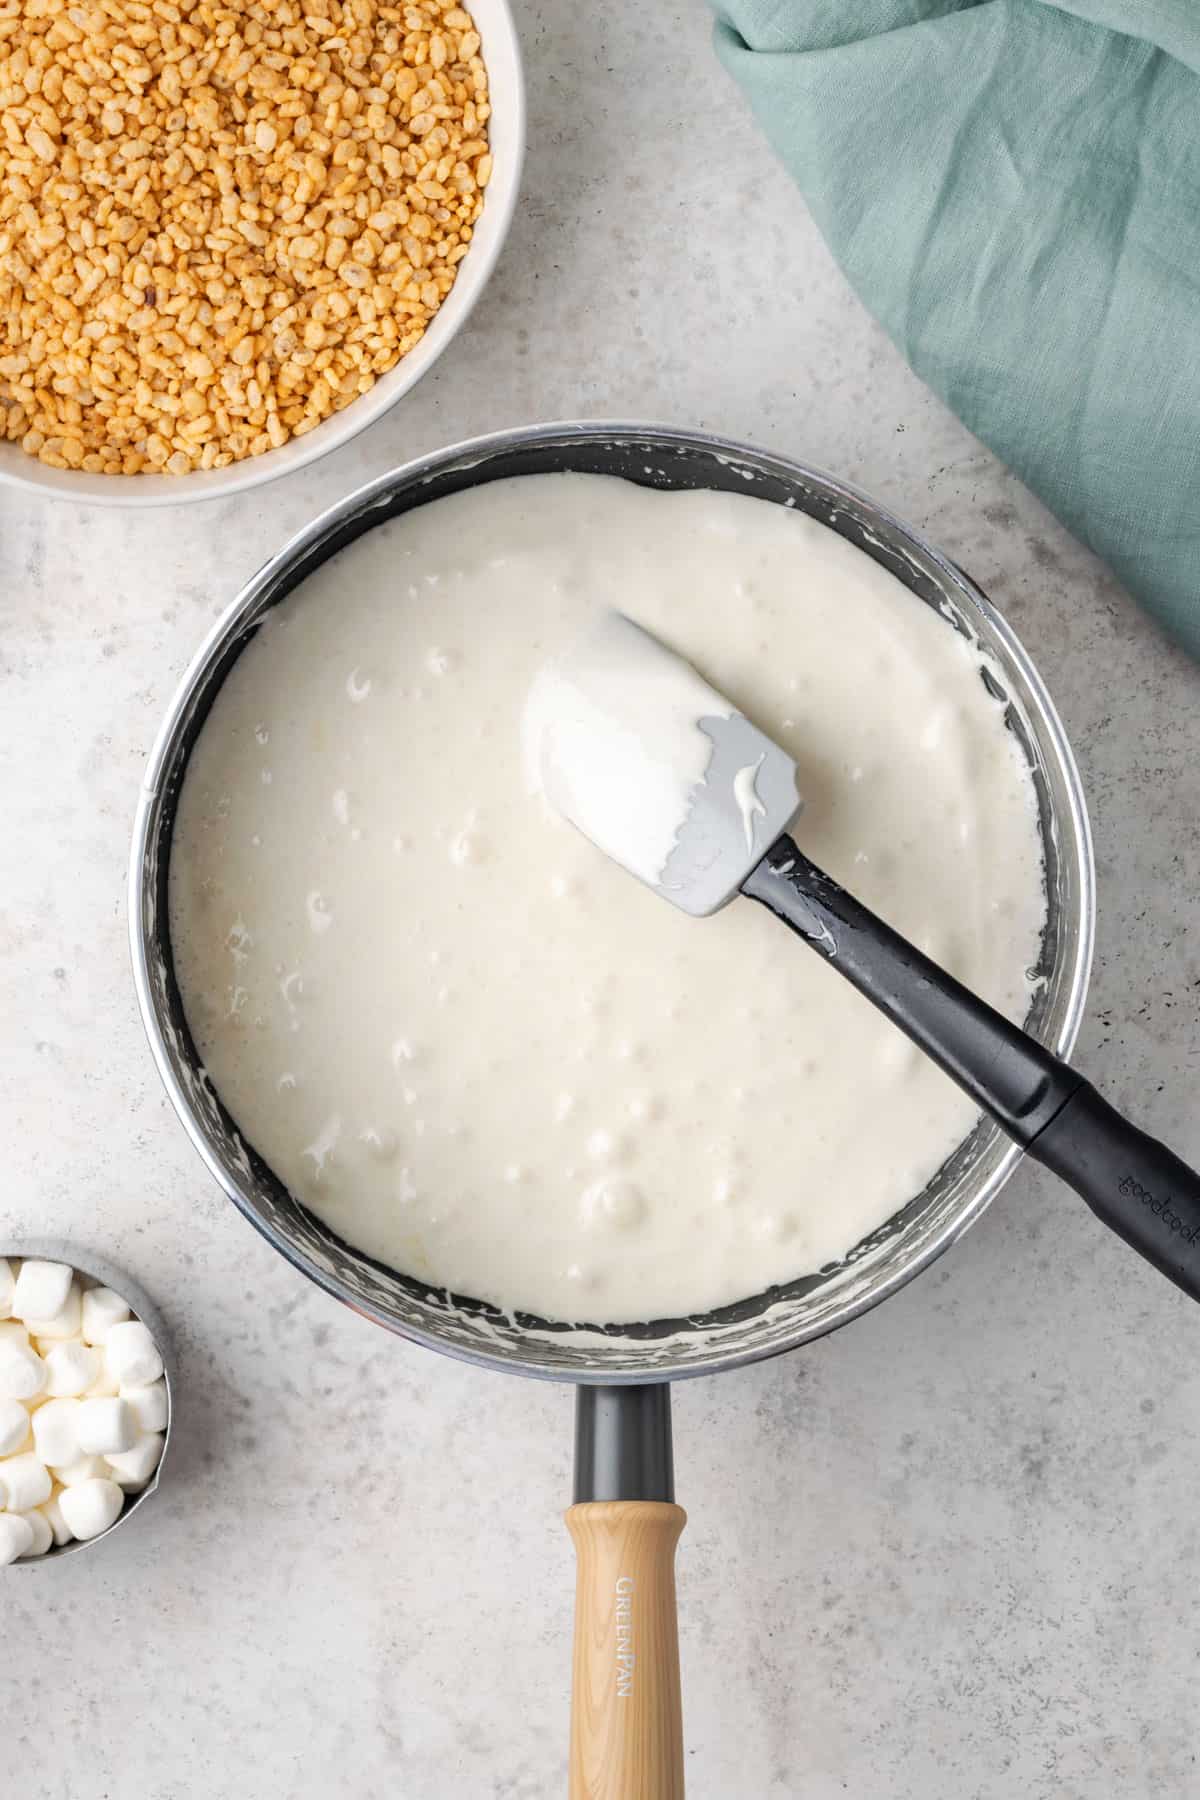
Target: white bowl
x=506 y=89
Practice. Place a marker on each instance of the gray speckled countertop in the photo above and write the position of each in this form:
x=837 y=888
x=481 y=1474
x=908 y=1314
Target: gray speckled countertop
x=947 y=1554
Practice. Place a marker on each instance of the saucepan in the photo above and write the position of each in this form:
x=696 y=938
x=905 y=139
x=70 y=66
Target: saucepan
x=626 y=1737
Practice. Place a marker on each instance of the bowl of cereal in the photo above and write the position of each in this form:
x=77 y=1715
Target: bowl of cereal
x=230 y=240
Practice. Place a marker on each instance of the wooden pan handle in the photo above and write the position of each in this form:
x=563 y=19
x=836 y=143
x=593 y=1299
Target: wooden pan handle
x=626 y=1715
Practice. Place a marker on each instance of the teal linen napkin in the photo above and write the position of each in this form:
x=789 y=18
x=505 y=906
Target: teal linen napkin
x=1013 y=187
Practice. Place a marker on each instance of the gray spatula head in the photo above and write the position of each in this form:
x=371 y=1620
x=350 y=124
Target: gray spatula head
x=631 y=745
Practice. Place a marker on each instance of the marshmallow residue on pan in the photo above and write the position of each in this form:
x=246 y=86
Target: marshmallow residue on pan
x=83 y=1407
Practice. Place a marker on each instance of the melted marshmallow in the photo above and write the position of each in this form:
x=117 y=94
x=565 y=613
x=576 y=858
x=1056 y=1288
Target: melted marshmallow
x=476 y=1047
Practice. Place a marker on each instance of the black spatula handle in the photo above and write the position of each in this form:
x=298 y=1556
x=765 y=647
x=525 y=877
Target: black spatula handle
x=1140 y=1189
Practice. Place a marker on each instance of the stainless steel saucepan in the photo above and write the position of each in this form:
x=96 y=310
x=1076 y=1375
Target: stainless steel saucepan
x=626 y=1737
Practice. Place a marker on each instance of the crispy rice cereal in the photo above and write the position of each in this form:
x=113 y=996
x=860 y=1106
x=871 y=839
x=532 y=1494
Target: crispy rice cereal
x=220 y=220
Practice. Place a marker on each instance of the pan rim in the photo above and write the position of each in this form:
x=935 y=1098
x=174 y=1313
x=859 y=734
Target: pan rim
x=708 y=1358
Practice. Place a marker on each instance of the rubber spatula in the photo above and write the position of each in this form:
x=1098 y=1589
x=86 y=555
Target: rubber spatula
x=666 y=776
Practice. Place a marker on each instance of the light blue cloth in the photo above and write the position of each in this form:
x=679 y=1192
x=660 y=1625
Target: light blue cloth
x=1013 y=187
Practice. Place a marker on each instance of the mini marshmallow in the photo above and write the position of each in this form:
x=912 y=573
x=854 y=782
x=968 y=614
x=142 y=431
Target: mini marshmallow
x=104 y=1386
x=62 y=1324
x=22 y=1371
x=130 y=1355
x=42 y=1289
x=106 y=1426
x=24 y=1482
x=51 y=1511
x=149 y=1404
x=8 y=1282
x=14 y=1427
x=12 y=1331
x=56 y=1431
x=71 y=1368
x=84 y=1468
x=16 y=1537
x=133 y=1468
x=43 y=1534
x=91 y=1507
x=101 y=1310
